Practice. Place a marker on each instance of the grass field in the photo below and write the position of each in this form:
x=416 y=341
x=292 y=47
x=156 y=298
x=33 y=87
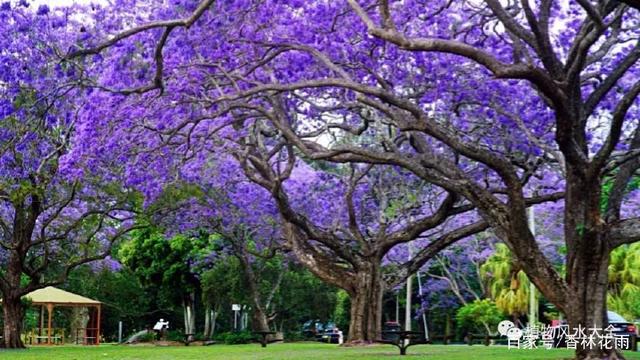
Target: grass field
x=305 y=351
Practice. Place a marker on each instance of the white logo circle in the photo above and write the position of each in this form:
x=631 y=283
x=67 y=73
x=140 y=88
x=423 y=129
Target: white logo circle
x=514 y=333
x=504 y=326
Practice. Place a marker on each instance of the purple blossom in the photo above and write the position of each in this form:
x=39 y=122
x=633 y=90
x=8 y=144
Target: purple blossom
x=43 y=10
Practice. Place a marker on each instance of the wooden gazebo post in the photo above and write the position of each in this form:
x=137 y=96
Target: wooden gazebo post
x=50 y=311
x=98 y=330
x=41 y=321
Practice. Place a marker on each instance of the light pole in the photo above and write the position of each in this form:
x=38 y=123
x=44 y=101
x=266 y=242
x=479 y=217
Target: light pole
x=424 y=316
x=407 y=310
x=533 y=300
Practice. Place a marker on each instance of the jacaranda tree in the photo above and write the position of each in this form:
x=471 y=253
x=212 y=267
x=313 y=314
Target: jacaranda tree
x=56 y=212
x=343 y=223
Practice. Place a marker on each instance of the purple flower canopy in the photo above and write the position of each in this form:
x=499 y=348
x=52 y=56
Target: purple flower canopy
x=139 y=132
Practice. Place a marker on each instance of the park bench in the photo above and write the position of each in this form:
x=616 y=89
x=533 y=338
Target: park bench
x=34 y=337
x=263 y=337
x=187 y=339
x=404 y=339
x=484 y=338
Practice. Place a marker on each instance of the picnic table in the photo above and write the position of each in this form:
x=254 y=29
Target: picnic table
x=264 y=334
x=37 y=337
x=187 y=338
x=404 y=339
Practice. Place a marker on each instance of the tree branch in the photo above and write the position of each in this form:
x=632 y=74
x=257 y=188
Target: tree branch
x=431 y=250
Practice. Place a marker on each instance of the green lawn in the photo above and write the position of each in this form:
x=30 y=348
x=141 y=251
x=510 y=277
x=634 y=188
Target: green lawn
x=305 y=351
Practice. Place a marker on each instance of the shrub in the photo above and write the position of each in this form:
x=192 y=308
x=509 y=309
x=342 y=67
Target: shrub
x=294 y=336
x=175 y=335
x=478 y=314
x=233 y=338
x=148 y=337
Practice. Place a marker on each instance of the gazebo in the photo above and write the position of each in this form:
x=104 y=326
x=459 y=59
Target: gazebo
x=51 y=297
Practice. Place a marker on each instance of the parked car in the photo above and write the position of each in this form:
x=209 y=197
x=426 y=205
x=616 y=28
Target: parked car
x=388 y=330
x=312 y=328
x=621 y=327
x=330 y=333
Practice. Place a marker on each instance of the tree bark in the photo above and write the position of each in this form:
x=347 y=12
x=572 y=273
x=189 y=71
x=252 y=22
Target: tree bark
x=366 y=304
x=13 y=312
x=363 y=283
x=214 y=318
x=12 y=307
x=207 y=322
x=587 y=277
x=261 y=303
x=260 y=321
x=588 y=308
x=79 y=320
x=189 y=316
x=588 y=252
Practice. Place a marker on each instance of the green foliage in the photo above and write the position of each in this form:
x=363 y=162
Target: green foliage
x=293 y=336
x=223 y=283
x=25 y=98
x=165 y=262
x=478 y=313
x=508 y=286
x=234 y=338
x=607 y=186
x=624 y=281
x=175 y=335
x=510 y=289
x=148 y=337
x=302 y=296
x=341 y=313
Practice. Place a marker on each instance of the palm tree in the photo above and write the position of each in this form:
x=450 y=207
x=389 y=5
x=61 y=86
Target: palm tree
x=624 y=281
x=507 y=285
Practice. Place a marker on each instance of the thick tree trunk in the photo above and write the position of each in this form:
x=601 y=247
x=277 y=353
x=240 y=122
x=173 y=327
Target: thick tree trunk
x=12 y=307
x=189 y=316
x=13 y=312
x=588 y=253
x=366 y=305
x=211 y=315
x=207 y=322
x=587 y=308
x=363 y=284
x=260 y=321
x=79 y=320
x=214 y=318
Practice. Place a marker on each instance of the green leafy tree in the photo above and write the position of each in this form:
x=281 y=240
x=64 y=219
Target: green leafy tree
x=479 y=314
x=222 y=285
x=170 y=264
x=302 y=296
